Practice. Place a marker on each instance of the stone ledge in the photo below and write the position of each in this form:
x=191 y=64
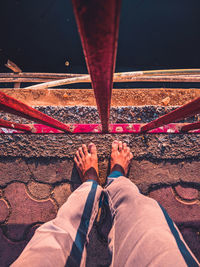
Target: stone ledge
x=148 y=146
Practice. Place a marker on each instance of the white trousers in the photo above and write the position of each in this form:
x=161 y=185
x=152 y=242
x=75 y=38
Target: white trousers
x=142 y=233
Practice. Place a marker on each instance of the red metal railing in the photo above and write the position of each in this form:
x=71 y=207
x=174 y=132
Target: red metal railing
x=98 y=25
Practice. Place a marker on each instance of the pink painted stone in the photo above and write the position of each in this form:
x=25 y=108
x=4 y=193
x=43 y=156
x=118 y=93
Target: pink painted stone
x=187 y=217
x=25 y=211
x=9 y=251
x=192 y=238
x=178 y=211
x=4 y=210
x=187 y=193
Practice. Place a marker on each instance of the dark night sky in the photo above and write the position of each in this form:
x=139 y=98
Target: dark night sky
x=40 y=35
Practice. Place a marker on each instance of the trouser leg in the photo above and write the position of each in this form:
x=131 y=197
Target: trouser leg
x=142 y=233
x=61 y=242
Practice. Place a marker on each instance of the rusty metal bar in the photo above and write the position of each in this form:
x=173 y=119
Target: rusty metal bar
x=11 y=105
x=98 y=24
x=13 y=125
x=43 y=75
x=11 y=65
x=70 y=75
x=117 y=78
x=24 y=80
x=188 y=110
x=174 y=128
x=190 y=127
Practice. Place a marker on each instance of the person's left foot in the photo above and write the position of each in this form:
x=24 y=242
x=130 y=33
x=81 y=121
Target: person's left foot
x=87 y=162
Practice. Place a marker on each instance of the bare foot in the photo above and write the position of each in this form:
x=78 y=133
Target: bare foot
x=87 y=162
x=120 y=157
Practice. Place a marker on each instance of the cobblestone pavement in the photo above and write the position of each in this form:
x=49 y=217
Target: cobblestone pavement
x=26 y=203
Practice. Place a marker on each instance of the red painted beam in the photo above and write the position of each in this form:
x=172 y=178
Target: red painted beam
x=188 y=110
x=190 y=127
x=13 y=125
x=98 y=24
x=174 y=128
x=11 y=105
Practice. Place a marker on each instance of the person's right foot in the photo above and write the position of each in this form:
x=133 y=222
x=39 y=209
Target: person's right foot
x=120 y=157
x=87 y=162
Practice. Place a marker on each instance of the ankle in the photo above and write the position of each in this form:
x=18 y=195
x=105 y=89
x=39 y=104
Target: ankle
x=118 y=168
x=90 y=174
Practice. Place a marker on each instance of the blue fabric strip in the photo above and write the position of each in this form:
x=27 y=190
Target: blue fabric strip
x=75 y=256
x=112 y=176
x=91 y=180
x=184 y=251
x=115 y=174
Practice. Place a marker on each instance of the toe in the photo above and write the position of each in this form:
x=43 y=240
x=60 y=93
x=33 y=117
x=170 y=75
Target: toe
x=76 y=160
x=85 y=150
x=92 y=148
x=115 y=145
x=80 y=151
x=120 y=146
x=131 y=155
x=124 y=145
x=78 y=156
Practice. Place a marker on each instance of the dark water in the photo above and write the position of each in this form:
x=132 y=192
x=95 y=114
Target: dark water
x=42 y=35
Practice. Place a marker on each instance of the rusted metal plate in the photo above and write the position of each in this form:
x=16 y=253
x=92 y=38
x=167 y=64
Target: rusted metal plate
x=97 y=128
x=188 y=110
x=98 y=24
x=11 y=105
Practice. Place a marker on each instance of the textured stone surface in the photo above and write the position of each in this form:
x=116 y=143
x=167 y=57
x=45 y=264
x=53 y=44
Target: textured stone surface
x=4 y=210
x=44 y=172
x=85 y=97
x=149 y=146
x=179 y=212
x=9 y=251
x=186 y=193
x=25 y=211
x=38 y=190
x=147 y=173
x=61 y=193
x=84 y=114
x=51 y=170
x=13 y=169
x=185 y=215
x=192 y=237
